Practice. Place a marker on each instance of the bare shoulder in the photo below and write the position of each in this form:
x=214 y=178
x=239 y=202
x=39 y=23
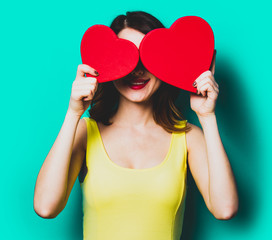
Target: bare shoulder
x=194 y=137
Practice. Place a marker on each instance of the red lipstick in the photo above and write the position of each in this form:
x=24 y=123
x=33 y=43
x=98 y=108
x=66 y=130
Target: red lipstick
x=138 y=83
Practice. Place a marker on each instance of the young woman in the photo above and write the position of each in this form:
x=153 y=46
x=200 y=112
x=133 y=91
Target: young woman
x=131 y=154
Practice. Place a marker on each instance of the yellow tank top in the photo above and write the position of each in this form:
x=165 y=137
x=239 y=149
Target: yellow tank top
x=133 y=204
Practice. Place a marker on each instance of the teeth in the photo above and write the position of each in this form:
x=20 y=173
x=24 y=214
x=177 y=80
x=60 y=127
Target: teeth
x=137 y=83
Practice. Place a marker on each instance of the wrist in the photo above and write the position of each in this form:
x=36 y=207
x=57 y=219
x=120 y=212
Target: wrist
x=71 y=114
x=209 y=118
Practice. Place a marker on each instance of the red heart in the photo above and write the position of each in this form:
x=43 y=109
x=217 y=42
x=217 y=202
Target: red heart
x=111 y=56
x=178 y=55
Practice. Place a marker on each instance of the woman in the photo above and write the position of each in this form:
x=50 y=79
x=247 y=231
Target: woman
x=131 y=154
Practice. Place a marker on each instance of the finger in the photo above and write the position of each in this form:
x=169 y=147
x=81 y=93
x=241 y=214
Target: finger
x=84 y=83
x=205 y=74
x=209 y=90
x=84 y=68
x=202 y=81
x=85 y=80
x=91 y=80
x=209 y=77
x=83 y=86
x=212 y=67
x=91 y=94
x=214 y=88
x=88 y=93
x=88 y=98
x=204 y=90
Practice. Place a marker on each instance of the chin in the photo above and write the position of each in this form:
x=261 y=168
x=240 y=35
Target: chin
x=137 y=93
x=137 y=99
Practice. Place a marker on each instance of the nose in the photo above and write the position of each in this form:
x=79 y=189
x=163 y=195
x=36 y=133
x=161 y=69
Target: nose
x=139 y=70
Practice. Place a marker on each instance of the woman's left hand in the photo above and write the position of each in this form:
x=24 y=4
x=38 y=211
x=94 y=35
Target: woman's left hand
x=204 y=104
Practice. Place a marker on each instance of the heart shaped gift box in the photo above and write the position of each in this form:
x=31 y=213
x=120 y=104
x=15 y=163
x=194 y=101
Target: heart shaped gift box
x=177 y=55
x=110 y=56
x=180 y=54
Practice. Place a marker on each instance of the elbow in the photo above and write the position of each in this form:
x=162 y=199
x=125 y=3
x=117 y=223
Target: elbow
x=227 y=213
x=44 y=212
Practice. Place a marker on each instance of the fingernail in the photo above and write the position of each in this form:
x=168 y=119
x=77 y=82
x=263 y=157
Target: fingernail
x=96 y=72
x=194 y=83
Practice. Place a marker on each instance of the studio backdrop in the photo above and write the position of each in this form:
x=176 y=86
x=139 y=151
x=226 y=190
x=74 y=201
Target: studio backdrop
x=40 y=53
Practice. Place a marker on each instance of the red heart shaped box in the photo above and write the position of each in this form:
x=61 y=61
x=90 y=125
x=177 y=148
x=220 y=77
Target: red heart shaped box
x=111 y=56
x=178 y=55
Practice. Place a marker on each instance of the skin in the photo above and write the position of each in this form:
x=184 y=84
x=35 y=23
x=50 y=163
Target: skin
x=134 y=122
x=207 y=159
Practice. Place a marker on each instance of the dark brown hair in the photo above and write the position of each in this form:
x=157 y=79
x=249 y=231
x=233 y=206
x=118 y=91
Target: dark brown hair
x=105 y=101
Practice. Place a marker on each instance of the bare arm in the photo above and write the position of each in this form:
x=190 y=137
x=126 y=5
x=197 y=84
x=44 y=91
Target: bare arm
x=52 y=181
x=207 y=158
x=211 y=169
x=63 y=162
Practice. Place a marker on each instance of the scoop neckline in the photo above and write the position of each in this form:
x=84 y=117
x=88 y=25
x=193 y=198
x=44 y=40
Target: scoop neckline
x=133 y=169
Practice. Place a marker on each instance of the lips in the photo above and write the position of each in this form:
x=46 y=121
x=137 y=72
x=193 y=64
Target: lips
x=139 y=83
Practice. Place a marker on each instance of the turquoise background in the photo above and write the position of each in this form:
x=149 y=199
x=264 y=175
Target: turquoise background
x=40 y=52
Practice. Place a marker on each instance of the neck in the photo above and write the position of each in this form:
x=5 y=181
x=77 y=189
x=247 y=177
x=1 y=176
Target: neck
x=131 y=114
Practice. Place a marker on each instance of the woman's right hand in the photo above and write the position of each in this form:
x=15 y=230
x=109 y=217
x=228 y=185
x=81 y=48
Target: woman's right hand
x=83 y=90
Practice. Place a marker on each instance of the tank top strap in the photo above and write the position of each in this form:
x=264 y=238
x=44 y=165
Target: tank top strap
x=180 y=147
x=178 y=144
x=92 y=138
x=91 y=126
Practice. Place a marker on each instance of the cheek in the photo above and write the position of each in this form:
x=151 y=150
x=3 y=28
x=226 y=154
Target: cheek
x=117 y=84
x=157 y=84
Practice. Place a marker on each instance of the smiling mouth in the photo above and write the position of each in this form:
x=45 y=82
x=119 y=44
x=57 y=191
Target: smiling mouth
x=138 y=82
